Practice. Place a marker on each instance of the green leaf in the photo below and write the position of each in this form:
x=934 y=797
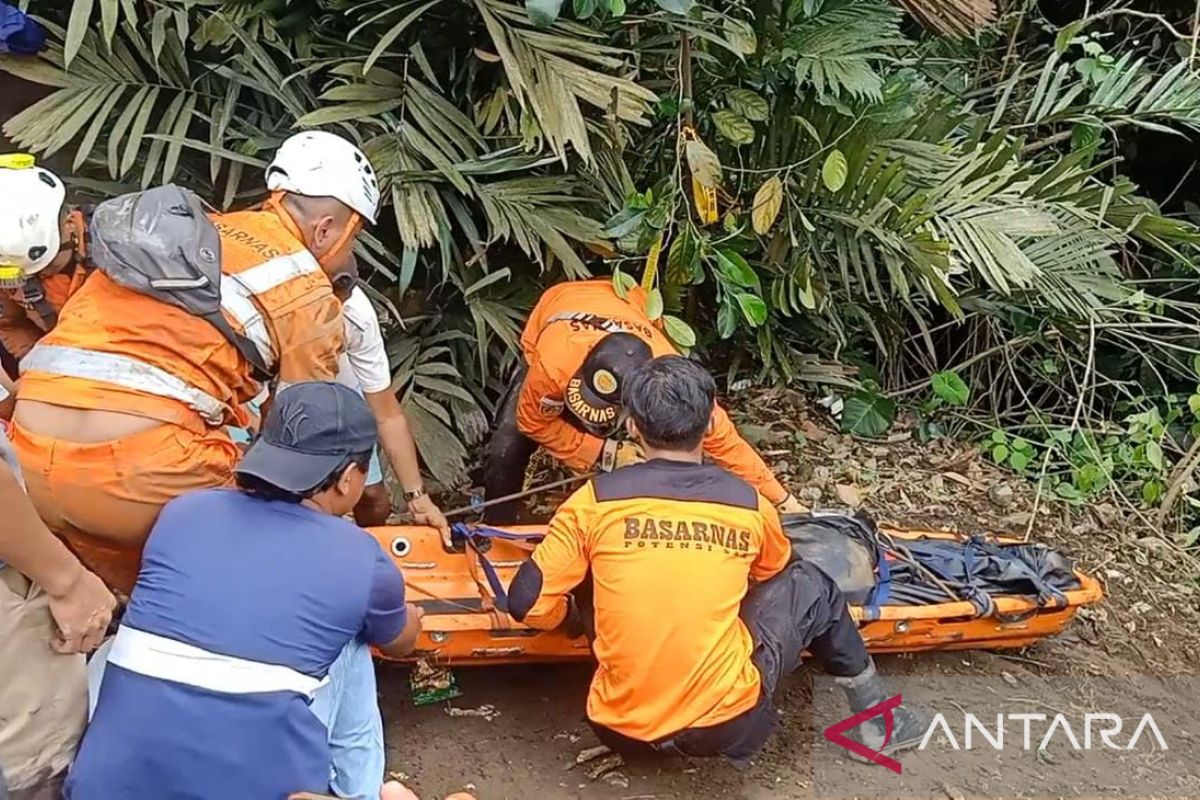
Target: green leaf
x=734 y=268
x=999 y=437
x=1018 y=461
x=654 y=304
x=768 y=200
x=77 y=26
x=346 y=111
x=749 y=104
x=999 y=453
x=833 y=171
x=584 y=9
x=1152 y=492
x=733 y=127
x=1154 y=454
x=676 y=6
x=951 y=388
x=1063 y=40
x=741 y=37
x=616 y=8
x=1194 y=405
x=386 y=40
x=622 y=283
x=753 y=308
x=867 y=413
x=727 y=317
x=543 y=12
x=679 y=332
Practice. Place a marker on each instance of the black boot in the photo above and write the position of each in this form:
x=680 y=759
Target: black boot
x=866 y=690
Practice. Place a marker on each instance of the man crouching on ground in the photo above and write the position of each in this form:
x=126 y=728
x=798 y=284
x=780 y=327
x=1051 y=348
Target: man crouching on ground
x=241 y=668
x=676 y=549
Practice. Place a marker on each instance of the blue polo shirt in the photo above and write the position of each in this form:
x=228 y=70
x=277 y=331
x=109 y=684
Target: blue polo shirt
x=266 y=581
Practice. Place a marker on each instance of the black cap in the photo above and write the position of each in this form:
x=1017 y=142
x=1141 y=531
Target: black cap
x=312 y=427
x=594 y=392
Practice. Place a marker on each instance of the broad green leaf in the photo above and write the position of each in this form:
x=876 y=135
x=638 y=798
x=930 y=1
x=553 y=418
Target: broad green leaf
x=1154 y=454
x=951 y=388
x=679 y=332
x=753 y=308
x=1000 y=452
x=703 y=163
x=654 y=304
x=741 y=37
x=623 y=283
x=734 y=268
x=583 y=9
x=1194 y=405
x=727 y=317
x=676 y=6
x=833 y=171
x=616 y=8
x=867 y=414
x=733 y=127
x=543 y=12
x=749 y=104
x=77 y=26
x=768 y=200
x=1063 y=40
x=1018 y=461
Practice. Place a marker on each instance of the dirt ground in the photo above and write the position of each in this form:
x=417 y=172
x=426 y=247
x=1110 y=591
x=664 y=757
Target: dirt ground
x=1135 y=654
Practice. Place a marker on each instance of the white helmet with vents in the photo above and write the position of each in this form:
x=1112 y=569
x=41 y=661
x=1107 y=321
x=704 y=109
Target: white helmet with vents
x=322 y=164
x=31 y=202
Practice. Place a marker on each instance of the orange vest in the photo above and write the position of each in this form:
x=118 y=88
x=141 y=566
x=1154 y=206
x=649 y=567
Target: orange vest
x=115 y=349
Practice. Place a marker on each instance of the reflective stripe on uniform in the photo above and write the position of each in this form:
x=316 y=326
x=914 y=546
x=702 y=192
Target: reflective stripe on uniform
x=278 y=271
x=591 y=320
x=237 y=301
x=171 y=660
x=76 y=362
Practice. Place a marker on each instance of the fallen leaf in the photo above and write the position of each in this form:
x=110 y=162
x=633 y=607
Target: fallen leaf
x=849 y=494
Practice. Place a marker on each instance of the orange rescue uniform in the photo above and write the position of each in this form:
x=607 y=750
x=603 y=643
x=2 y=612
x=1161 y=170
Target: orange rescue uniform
x=20 y=324
x=669 y=574
x=555 y=346
x=115 y=349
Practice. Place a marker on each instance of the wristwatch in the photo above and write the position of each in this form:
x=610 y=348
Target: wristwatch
x=415 y=494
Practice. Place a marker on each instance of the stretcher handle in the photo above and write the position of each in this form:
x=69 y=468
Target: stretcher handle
x=545 y=487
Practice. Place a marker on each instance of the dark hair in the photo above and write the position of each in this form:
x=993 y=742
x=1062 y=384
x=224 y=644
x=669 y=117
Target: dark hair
x=670 y=399
x=264 y=490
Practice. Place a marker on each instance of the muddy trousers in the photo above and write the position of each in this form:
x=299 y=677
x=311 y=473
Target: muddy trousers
x=800 y=609
x=508 y=455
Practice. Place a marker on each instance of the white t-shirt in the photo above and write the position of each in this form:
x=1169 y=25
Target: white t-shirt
x=363 y=365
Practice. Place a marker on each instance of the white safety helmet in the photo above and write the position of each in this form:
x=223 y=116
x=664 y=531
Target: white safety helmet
x=321 y=164
x=31 y=201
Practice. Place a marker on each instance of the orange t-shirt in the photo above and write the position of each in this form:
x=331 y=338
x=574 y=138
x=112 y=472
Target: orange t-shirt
x=671 y=547
x=554 y=351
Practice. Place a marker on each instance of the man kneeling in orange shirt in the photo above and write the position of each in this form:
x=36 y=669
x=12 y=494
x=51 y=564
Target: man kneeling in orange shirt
x=700 y=608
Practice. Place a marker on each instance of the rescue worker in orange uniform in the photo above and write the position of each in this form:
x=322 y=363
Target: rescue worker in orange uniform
x=122 y=407
x=43 y=252
x=579 y=343
x=699 y=606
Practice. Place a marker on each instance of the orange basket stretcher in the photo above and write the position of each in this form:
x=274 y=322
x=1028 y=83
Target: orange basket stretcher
x=463 y=626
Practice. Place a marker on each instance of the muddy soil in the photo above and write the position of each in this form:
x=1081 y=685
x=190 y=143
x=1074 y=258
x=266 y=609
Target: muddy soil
x=1135 y=655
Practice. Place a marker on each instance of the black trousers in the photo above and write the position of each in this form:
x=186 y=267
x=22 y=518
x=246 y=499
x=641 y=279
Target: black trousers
x=508 y=455
x=799 y=609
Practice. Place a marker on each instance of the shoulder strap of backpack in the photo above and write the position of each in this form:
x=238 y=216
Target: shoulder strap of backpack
x=35 y=296
x=258 y=367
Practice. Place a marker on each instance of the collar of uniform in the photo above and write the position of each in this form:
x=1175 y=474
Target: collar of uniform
x=671 y=463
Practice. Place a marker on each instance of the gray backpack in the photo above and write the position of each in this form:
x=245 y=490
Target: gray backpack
x=161 y=243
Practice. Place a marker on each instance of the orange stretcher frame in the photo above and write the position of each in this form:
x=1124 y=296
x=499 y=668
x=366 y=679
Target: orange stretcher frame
x=463 y=627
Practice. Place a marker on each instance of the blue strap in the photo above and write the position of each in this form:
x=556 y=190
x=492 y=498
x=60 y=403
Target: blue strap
x=473 y=535
x=882 y=590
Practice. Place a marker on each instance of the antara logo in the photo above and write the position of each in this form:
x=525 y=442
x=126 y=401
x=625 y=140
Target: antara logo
x=835 y=733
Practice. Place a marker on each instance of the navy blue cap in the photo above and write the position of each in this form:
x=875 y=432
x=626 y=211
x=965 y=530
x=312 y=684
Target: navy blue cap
x=311 y=428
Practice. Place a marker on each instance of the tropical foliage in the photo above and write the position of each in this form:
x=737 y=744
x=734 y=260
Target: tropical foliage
x=908 y=188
